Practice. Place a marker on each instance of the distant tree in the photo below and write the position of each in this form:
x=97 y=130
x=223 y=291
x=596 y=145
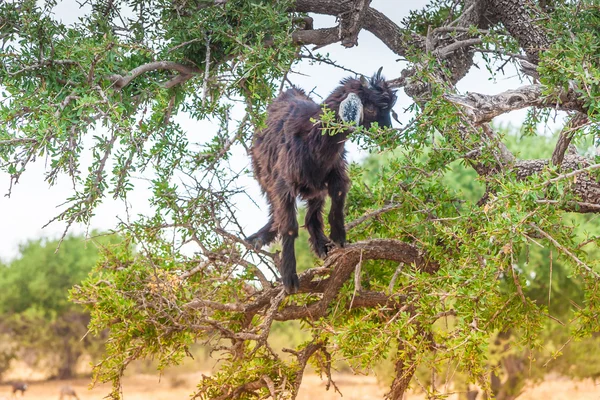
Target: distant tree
x=36 y=316
x=430 y=276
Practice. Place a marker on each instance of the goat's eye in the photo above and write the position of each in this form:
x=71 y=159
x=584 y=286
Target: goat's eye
x=370 y=109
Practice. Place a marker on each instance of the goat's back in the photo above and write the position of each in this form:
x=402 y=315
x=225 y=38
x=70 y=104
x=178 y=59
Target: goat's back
x=289 y=113
x=288 y=119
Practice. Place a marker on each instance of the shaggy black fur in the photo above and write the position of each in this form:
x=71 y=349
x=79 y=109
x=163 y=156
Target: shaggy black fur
x=291 y=157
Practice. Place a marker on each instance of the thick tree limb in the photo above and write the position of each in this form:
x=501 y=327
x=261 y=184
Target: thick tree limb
x=339 y=265
x=482 y=108
x=405 y=369
x=343 y=262
x=319 y=37
x=445 y=52
x=351 y=25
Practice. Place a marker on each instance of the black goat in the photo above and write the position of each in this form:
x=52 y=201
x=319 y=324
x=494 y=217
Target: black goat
x=292 y=157
x=18 y=386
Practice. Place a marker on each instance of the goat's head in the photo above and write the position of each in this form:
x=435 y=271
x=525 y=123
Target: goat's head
x=367 y=101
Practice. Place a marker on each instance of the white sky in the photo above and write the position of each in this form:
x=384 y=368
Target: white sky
x=33 y=202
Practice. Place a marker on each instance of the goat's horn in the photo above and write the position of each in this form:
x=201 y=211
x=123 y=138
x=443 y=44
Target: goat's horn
x=364 y=81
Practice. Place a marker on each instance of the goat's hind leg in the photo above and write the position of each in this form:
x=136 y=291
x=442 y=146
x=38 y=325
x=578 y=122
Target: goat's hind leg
x=264 y=236
x=314 y=225
x=338 y=184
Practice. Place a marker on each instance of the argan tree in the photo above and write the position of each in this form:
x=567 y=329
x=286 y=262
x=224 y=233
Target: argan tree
x=430 y=275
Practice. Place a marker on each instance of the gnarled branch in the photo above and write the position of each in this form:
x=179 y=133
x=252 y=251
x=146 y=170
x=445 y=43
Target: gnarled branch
x=482 y=108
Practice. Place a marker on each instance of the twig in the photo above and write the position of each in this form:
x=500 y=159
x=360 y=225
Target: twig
x=517 y=284
x=572 y=174
x=564 y=139
x=451 y=48
x=206 y=69
x=395 y=277
x=357 y=273
x=183 y=44
x=565 y=250
x=372 y=214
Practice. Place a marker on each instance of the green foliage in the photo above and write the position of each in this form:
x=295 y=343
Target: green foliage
x=37 y=316
x=574 y=58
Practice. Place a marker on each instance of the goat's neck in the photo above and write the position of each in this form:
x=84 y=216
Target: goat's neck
x=335 y=143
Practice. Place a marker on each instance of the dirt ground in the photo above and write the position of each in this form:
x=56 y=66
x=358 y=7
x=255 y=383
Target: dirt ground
x=148 y=387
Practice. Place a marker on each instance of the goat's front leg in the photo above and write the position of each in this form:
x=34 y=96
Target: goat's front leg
x=338 y=184
x=288 y=229
x=314 y=225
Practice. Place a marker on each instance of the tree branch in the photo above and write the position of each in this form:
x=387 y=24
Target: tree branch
x=395 y=38
x=565 y=137
x=119 y=82
x=482 y=108
x=319 y=37
x=584 y=185
x=352 y=22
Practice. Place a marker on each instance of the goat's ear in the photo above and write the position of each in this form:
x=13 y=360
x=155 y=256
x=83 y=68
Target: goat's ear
x=364 y=81
x=351 y=109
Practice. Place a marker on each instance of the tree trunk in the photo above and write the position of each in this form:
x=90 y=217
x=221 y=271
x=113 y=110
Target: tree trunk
x=513 y=366
x=68 y=361
x=405 y=369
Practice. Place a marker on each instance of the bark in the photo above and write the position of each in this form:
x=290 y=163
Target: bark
x=519 y=16
x=565 y=137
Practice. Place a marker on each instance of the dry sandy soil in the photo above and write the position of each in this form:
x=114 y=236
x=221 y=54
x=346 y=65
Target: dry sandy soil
x=148 y=387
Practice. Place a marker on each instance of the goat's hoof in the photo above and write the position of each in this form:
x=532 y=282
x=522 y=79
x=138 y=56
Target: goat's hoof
x=323 y=249
x=291 y=284
x=334 y=245
x=256 y=242
x=329 y=247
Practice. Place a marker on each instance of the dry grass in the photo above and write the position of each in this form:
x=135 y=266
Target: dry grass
x=149 y=387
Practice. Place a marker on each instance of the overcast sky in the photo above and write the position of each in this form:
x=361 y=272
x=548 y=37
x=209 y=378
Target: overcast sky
x=33 y=202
